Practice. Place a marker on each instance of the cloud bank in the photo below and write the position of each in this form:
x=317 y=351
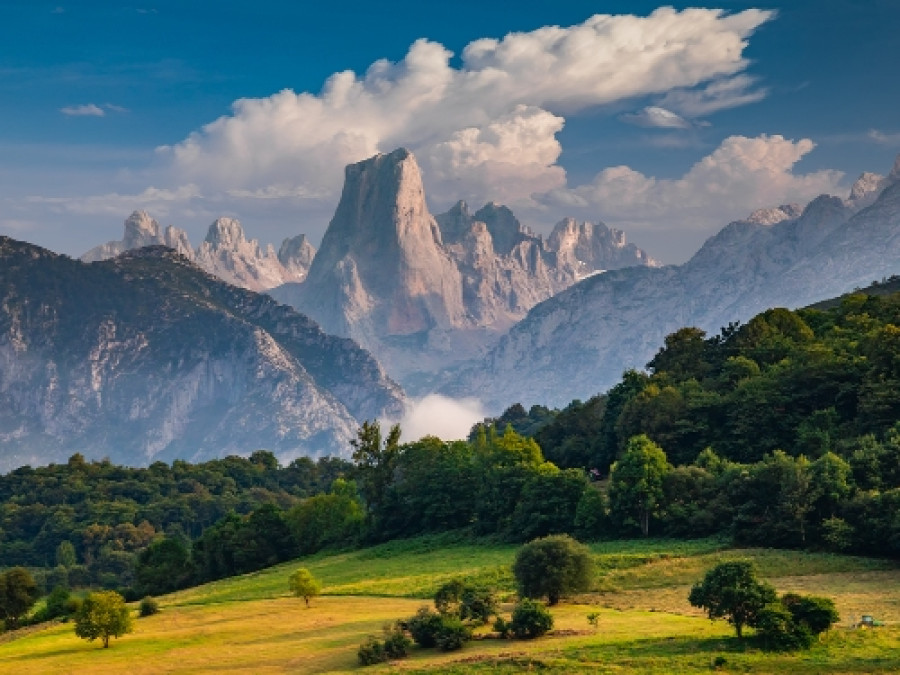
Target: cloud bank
x=742 y=174
x=485 y=130
x=489 y=129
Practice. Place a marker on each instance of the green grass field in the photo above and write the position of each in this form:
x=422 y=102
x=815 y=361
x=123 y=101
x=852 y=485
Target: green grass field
x=251 y=624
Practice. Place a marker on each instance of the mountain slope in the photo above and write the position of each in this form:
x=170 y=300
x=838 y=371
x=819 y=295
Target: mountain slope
x=579 y=342
x=147 y=357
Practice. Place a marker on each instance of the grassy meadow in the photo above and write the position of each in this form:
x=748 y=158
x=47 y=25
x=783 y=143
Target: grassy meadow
x=251 y=623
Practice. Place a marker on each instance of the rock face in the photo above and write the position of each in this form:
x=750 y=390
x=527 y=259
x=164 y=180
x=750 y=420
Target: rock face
x=579 y=342
x=141 y=230
x=146 y=357
x=225 y=253
x=424 y=292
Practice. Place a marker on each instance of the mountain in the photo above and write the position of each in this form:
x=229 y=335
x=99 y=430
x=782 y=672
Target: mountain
x=425 y=293
x=146 y=357
x=579 y=342
x=225 y=253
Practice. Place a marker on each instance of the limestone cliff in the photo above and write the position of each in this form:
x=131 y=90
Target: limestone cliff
x=147 y=357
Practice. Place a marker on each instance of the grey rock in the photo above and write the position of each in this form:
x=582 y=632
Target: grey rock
x=145 y=357
x=577 y=343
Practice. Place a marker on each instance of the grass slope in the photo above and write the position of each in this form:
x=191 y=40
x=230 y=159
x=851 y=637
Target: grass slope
x=251 y=624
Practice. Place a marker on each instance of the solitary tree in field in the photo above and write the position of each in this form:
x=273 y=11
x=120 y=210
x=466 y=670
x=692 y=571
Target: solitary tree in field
x=304 y=585
x=731 y=590
x=103 y=615
x=553 y=567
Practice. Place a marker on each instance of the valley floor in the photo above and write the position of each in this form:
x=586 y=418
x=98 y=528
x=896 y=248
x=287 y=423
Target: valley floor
x=251 y=624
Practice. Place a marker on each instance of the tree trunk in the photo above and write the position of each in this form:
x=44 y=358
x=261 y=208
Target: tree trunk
x=106 y=641
x=738 y=626
x=645 y=522
x=552 y=598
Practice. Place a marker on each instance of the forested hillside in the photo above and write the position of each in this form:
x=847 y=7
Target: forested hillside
x=782 y=432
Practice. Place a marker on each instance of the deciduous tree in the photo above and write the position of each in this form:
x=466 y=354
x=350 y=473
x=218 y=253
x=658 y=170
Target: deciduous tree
x=103 y=615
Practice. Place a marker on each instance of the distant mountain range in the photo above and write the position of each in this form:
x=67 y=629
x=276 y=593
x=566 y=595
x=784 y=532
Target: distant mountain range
x=579 y=342
x=225 y=253
x=141 y=355
x=425 y=293
x=146 y=357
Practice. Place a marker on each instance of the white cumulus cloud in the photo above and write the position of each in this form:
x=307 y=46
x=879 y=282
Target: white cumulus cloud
x=488 y=127
x=741 y=175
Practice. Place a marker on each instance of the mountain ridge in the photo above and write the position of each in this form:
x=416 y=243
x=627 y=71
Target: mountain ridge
x=578 y=342
x=146 y=356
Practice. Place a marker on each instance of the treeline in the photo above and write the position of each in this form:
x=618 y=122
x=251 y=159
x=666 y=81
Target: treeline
x=87 y=522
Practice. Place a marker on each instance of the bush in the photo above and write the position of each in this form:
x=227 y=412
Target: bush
x=424 y=627
x=530 y=619
x=815 y=613
x=502 y=626
x=469 y=603
x=553 y=567
x=56 y=603
x=452 y=634
x=396 y=643
x=371 y=652
x=777 y=630
x=149 y=606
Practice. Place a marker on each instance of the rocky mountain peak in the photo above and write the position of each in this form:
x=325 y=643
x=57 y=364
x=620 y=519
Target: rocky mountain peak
x=382 y=269
x=505 y=228
x=225 y=252
x=894 y=175
x=297 y=253
x=141 y=230
x=225 y=233
x=455 y=223
x=775 y=214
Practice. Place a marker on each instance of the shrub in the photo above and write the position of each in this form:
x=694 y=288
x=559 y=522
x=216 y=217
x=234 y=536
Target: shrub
x=777 y=630
x=530 y=619
x=424 y=627
x=149 y=606
x=553 y=567
x=815 y=613
x=502 y=626
x=469 y=603
x=56 y=603
x=396 y=643
x=452 y=634
x=371 y=652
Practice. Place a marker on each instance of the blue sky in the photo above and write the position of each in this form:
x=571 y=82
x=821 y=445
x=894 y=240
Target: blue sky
x=665 y=124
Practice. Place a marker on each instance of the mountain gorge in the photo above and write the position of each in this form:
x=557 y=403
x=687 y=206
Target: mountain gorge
x=579 y=342
x=146 y=357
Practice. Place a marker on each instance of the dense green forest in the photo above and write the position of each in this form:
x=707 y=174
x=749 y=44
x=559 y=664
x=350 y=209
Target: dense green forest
x=782 y=432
